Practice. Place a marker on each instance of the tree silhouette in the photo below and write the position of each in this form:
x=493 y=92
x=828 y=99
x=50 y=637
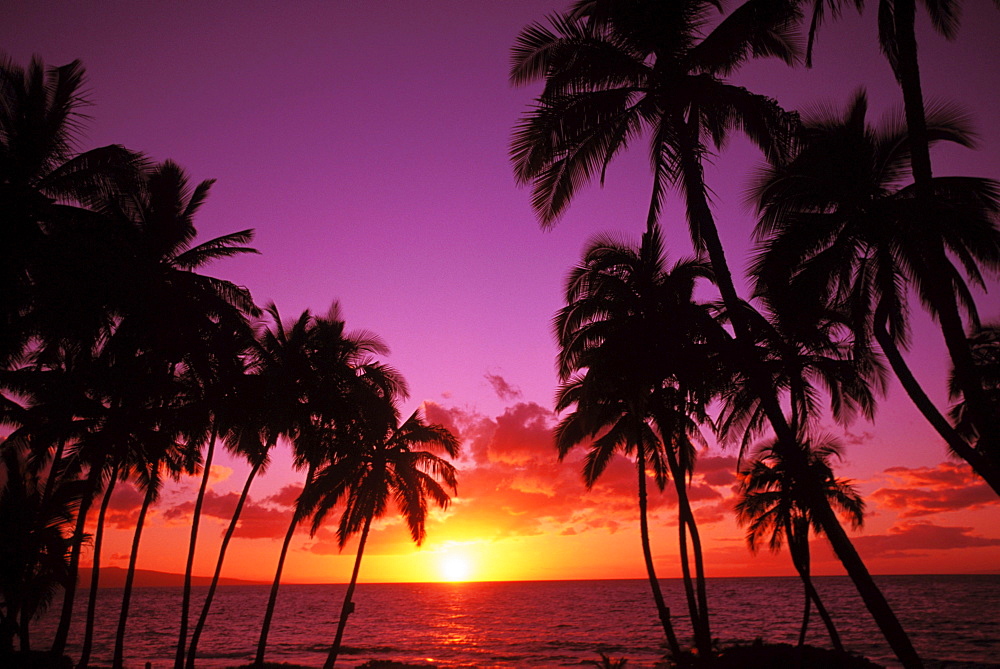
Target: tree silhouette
x=635 y=365
x=614 y=70
x=332 y=376
x=772 y=510
x=840 y=226
x=381 y=463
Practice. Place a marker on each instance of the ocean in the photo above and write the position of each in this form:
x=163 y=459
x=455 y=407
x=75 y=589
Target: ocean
x=954 y=621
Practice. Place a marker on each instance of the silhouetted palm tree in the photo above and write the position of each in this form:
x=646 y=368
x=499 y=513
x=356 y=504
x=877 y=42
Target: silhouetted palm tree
x=333 y=376
x=382 y=463
x=49 y=287
x=772 y=509
x=615 y=69
x=985 y=345
x=635 y=365
x=840 y=226
x=249 y=422
x=897 y=37
x=36 y=526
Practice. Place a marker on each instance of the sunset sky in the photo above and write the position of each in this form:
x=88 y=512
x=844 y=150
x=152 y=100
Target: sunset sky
x=367 y=145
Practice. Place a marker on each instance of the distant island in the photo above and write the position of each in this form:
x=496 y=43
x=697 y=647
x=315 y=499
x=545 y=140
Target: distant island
x=114 y=577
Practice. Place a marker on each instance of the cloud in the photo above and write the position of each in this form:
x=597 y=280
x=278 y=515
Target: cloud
x=910 y=536
x=219 y=473
x=512 y=484
x=925 y=491
x=124 y=507
x=258 y=520
x=504 y=391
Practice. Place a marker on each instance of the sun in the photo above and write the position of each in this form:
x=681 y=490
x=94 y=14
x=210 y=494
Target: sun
x=455 y=568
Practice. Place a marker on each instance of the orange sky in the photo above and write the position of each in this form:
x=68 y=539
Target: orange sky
x=522 y=515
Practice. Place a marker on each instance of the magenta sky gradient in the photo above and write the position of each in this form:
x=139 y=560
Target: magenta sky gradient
x=367 y=145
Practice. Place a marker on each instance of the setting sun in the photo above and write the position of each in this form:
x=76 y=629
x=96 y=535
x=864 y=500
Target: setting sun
x=455 y=568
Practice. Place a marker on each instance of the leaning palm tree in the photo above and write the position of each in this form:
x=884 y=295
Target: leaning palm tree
x=334 y=375
x=386 y=461
x=840 y=226
x=249 y=421
x=772 y=510
x=897 y=38
x=614 y=70
x=636 y=370
x=985 y=345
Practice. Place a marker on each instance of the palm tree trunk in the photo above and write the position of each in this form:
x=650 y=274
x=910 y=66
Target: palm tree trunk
x=800 y=559
x=957 y=343
x=697 y=606
x=23 y=631
x=654 y=583
x=824 y=615
x=206 y=607
x=118 y=661
x=703 y=224
x=805 y=613
x=907 y=71
x=95 y=574
x=69 y=595
x=192 y=543
x=273 y=597
x=982 y=465
x=348 y=607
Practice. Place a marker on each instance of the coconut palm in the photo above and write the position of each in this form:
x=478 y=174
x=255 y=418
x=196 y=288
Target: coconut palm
x=772 y=510
x=171 y=325
x=170 y=454
x=985 y=345
x=614 y=70
x=36 y=523
x=249 y=421
x=897 y=37
x=840 y=226
x=333 y=376
x=215 y=394
x=385 y=461
x=635 y=367
x=47 y=284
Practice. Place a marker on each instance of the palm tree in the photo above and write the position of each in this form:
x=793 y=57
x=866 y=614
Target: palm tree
x=615 y=69
x=634 y=361
x=772 y=509
x=45 y=279
x=840 y=226
x=217 y=394
x=333 y=376
x=36 y=524
x=897 y=38
x=985 y=345
x=382 y=463
x=249 y=421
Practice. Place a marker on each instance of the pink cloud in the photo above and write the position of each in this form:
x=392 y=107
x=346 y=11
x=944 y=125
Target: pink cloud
x=925 y=491
x=920 y=536
x=503 y=390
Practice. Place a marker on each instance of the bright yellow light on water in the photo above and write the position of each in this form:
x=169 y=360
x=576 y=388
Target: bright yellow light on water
x=454 y=567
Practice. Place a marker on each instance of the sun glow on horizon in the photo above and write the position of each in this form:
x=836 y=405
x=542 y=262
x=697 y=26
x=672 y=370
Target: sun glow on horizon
x=455 y=568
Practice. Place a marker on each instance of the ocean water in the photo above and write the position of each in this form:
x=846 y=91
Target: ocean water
x=954 y=621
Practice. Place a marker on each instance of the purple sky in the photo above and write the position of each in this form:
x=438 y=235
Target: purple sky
x=367 y=144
